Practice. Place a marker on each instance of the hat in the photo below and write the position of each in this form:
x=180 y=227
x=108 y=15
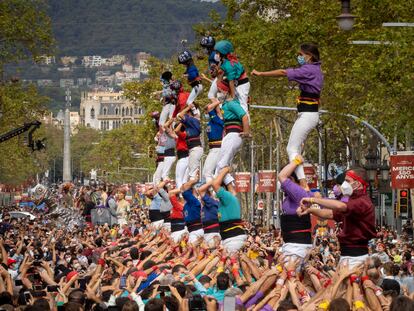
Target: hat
x=10 y=261
x=70 y=275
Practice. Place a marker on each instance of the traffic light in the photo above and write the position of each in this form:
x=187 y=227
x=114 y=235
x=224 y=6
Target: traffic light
x=403 y=200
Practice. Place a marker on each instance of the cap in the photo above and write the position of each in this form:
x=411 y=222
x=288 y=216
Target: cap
x=70 y=275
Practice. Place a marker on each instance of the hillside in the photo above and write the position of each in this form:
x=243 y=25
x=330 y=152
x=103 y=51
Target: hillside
x=108 y=27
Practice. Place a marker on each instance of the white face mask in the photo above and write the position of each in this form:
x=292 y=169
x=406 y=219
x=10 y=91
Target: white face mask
x=346 y=188
x=221 y=97
x=217 y=57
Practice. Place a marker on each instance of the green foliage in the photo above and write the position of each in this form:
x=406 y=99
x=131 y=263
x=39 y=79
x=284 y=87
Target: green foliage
x=122 y=26
x=25 y=31
x=373 y=82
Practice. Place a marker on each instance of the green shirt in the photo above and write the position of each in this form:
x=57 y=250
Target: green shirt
x=232 y=72
x=233 y=111
x=229 y=207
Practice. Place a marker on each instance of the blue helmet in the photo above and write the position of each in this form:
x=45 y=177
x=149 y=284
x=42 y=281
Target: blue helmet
x=184 y=57
x=207 y=42
x=224 y=47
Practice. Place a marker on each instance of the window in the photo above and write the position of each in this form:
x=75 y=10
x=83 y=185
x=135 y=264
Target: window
x=83 y=111
x=104 y=111
x=116 y=111
x=93 y=113
x=123 y=111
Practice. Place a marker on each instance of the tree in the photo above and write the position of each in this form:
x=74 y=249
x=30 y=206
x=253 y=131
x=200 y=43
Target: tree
x=371 y=82
x=25 y=33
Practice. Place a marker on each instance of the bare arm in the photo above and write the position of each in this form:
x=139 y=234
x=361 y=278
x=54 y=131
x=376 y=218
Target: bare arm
x=335 y=205
x=289 y=169
x=322 y=213
x=219 y=179
x=272 y=73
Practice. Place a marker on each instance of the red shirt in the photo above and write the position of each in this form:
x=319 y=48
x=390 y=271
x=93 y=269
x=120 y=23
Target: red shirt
x=358 y=221
x=181 y=143
x=181 y=102
x=177 y=208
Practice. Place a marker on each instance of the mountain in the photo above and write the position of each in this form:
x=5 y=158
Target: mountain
x=106 y=27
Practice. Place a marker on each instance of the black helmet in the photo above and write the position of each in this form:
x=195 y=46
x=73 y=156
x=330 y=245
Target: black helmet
x=207 y=42
x=184 y=57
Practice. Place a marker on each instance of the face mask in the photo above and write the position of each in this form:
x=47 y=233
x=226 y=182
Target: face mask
x=346 y=189
x=301 y=60
x=221 y=97
x=217 y=57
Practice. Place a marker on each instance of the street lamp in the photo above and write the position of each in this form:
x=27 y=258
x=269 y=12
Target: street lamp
x=385 y=170
x=371 y=166
x=346 y=20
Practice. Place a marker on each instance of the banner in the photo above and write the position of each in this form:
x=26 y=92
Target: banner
x=267 y=181
x=242 y=180
x=402 y=171
x=311 y=175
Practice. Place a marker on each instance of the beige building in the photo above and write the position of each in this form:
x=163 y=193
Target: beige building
x=108 y=110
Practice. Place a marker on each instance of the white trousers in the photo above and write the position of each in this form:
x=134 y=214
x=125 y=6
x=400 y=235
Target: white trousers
x=212 y=93
x=210 y=164
x=304 y=124
x=295 y=249
x=211 y=238
x=158 y=173
x=195 y=91
x=166 y=113
x=194 y=159
x=177 y=236
x=234 y=244
x=230 y=145
x=195 y=235
x=181 y=172
x=242 y=93
x=354 y=261
x=166 y=168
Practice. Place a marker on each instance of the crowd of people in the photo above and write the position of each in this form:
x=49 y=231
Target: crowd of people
x=90 y=248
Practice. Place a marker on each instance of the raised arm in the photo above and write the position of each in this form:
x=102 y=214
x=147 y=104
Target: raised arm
x=290 y=168
x=217 y=182
x=272 y=73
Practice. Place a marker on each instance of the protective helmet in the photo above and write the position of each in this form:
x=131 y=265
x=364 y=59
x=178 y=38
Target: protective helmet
x=207 y=42
x=184 y=57
x=224 y=47
x=166 y=75
x=176 y=85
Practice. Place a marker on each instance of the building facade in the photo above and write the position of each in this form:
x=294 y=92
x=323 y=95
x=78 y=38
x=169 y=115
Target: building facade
x=108 y=110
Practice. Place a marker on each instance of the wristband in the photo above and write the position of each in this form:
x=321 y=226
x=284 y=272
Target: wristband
x=101 y=262
x=235 y=273
x=318 y=275
x=297 y=161
x=354 y=279
x=359 y=304
x=220 y=269
x=378 y=292
x=279 y=268
x=233 y=260
x=223 y=259
x=324 y=305
x=211 y=257
x=280 y=282
x=154 y=268
x=327 y=283
x=364 y=278
x=291 y=274
x=186 y=262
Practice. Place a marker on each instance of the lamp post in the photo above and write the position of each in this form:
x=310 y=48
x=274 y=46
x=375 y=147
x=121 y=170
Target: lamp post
x=346 y=20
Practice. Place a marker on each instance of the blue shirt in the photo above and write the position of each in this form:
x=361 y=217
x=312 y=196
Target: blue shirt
x=192 y=207
x=210 y=209
x=192 y=73
x=156 y=202
x=215 y=127
x=192 y=126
